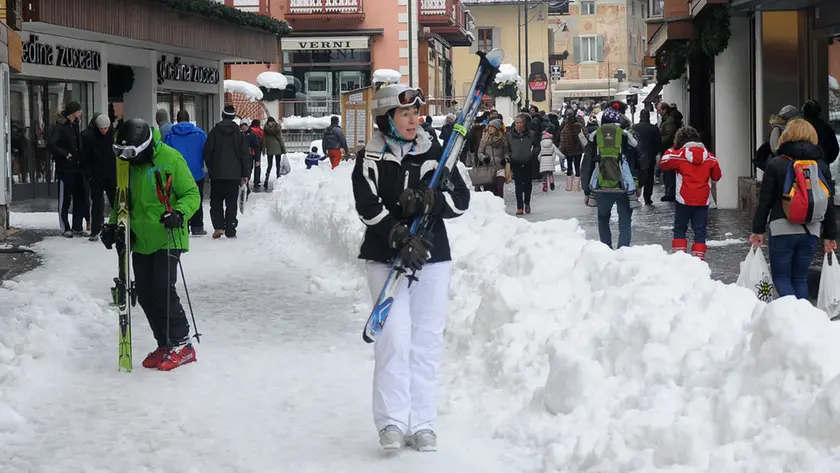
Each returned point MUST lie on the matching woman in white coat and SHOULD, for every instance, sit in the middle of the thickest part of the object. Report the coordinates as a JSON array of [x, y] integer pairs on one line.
[[547, 154]]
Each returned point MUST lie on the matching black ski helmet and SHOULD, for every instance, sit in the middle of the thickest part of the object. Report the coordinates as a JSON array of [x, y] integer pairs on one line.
[[134, 139]]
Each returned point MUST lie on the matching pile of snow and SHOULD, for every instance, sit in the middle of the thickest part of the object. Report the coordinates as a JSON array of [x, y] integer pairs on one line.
[[507, 74], [272, 80], [245, 88], [833, 84], [602, 361], [295, 122], [386, 76]]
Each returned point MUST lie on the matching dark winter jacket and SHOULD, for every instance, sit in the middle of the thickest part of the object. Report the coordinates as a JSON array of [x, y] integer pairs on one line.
[[590, 151], [226, 152], [274, 143], [258, 132], [189, 140], [569, 139], [383, 171], [671, 122], [769, 208], [334, 138], [650, 143], [827, 140], [98, 151], [445, 131], [523, 147], [254, 144], [65, 145], [430, 130]]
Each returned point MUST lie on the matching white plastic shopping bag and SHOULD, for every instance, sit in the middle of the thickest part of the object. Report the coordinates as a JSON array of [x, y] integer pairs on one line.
[[828, 298], [285, 166], [755, 275]]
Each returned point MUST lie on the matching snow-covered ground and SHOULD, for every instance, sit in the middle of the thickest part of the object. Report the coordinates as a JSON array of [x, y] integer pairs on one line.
[[562, 356]]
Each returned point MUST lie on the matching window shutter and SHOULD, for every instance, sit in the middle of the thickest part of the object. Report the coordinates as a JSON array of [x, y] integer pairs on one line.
[[576, 45], [599, 48]]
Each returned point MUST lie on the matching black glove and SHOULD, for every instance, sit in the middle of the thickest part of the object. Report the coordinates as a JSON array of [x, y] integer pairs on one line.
[[487, 160], [172, 220], [416, 202], [413, 250], [108, 235]]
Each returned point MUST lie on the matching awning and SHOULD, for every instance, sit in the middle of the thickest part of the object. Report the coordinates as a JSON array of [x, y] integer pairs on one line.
[[654, 94]]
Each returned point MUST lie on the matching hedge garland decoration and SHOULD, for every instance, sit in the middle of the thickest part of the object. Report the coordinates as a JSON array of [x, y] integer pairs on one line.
[[505, 89], [220, 11], [712, 38]]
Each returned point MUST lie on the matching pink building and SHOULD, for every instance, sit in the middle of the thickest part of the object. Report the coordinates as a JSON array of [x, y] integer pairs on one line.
[[337, 44]]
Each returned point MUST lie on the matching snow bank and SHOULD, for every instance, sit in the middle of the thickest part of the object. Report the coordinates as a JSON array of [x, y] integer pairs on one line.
[[39, 321], [272, 80], [610, 361], [833, 84], [295, 122], [245, 88], [388, 76]]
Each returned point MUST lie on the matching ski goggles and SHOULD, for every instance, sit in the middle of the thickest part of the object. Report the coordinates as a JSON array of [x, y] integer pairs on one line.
[[128, 153], [406, 98]]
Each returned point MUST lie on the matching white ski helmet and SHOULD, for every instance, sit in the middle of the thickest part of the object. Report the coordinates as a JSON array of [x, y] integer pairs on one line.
[[389, 97]]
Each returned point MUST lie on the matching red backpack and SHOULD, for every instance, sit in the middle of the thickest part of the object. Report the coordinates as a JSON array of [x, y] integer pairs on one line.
[[806, 195]]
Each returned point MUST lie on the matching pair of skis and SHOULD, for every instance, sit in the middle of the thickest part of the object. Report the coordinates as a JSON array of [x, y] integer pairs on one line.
[[123, 291], [488, 67]]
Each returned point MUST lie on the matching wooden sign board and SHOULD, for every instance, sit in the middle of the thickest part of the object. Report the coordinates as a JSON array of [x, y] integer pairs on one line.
[[356, 119]]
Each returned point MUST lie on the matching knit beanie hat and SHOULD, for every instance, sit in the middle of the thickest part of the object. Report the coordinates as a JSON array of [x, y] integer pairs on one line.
[[497, 124], [72, 107], [610, 115], [102, 121], [229, 112], [788, 112]]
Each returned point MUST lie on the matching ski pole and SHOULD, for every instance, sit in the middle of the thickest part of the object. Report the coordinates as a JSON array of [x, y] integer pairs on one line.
[[168, 286], [187, 293]]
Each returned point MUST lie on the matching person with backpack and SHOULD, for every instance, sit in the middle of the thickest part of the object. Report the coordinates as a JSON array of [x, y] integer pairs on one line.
[[334, 141], [523, 148], [794, 214], [697, 168], [612, 181], [572, 148]]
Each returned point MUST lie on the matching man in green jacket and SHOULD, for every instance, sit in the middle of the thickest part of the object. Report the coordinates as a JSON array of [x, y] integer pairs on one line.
[[157, 235]]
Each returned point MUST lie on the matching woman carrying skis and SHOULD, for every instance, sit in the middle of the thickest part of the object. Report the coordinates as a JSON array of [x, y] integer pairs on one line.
[[159, 236], [389, 185]]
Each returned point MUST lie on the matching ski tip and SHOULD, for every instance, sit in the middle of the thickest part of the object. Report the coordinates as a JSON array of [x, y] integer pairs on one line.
[[495, 57]]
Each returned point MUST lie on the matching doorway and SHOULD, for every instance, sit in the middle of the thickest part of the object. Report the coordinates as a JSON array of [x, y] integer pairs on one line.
[[33, 106]]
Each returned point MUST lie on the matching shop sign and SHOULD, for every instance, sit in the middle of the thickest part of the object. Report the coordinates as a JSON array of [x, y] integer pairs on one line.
[[174, 70], [357, 98], [325, 43], [42, 54]]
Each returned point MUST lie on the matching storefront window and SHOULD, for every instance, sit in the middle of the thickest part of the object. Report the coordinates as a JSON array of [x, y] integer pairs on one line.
[[319, 79], [197, 105], [34, 106]]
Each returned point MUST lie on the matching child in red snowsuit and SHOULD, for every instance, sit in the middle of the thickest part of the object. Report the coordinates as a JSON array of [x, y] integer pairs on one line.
[[697, 168]]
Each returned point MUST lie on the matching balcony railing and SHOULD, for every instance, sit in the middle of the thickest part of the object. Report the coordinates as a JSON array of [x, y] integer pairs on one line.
[[320, 7], [251, 6], [445, 12]]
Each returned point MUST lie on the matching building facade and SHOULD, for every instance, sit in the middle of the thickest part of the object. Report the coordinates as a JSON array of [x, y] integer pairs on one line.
[[779, 52], [606, 41], [501, 25], [89, 52], [338, 44]]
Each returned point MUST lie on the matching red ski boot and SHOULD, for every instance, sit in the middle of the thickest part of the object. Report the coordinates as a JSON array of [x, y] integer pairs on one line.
[[177, 357], [699, 250], [153, 358], [679, 245]]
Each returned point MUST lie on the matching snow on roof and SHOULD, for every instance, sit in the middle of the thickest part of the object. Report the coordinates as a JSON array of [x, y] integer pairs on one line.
[[245, 88], [387, 75], [272, 80], [295, 122]]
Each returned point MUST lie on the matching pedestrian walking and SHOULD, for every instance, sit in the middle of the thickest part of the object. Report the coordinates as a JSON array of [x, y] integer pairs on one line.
[[228, 159], [189, 140]]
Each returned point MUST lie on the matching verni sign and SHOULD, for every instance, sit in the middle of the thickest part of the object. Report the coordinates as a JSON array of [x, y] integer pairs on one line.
[[324, 43]]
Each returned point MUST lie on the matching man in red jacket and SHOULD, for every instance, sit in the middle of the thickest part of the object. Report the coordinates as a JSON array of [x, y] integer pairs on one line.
[[697, 168]]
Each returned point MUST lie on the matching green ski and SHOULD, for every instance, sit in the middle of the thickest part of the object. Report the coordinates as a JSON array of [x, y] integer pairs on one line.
[[123, 290]]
